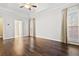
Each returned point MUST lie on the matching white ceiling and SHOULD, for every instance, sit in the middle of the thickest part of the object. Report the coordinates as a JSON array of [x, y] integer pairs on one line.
[[45, 6], [40, 6], [13, 6]]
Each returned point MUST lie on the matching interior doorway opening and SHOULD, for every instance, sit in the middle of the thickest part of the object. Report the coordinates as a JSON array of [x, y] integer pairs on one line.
[[18, 28]]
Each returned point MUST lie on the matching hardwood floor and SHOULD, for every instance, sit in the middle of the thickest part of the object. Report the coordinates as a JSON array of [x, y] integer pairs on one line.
[[28, 46]]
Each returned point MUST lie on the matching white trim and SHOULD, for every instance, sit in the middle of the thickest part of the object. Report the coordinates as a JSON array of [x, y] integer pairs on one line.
[[73, 43], [12, 37], [53, 9], [56, 40], [4, 38], [47, 38]]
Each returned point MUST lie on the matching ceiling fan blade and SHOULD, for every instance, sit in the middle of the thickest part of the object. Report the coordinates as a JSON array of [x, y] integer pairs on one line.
[[34, 6], [21, 6]]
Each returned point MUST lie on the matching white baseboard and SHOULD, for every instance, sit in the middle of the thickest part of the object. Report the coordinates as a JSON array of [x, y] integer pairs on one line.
[[48, 38], [11, 37], [7, 38], [75, 43], [56, 40]]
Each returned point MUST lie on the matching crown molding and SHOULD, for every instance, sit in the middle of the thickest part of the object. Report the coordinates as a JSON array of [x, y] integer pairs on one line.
[[58, 7]]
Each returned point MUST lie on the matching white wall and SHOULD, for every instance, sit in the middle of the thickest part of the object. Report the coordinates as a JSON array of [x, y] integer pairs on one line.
[[9, 17], [48, 23]]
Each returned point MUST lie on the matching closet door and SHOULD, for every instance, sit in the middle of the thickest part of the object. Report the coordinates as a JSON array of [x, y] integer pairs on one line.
[[73, 25], [1, 28]]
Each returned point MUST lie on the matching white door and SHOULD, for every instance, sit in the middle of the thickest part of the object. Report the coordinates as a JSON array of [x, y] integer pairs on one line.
[[18, 28]]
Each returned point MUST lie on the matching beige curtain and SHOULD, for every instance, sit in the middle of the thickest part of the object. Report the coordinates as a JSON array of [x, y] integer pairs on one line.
[[29, 27], [64, 26]]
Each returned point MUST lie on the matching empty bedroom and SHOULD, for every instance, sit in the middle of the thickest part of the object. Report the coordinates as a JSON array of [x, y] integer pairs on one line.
[[39, 29]]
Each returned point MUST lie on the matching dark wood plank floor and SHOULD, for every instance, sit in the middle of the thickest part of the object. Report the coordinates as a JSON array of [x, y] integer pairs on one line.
[[28, 46]]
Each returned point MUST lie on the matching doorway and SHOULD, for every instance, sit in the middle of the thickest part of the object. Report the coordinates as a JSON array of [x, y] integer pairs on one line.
[[32, 27], [18, 28]]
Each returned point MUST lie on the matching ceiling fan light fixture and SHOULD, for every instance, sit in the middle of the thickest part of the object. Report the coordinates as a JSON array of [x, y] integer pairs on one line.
[[27, 6]]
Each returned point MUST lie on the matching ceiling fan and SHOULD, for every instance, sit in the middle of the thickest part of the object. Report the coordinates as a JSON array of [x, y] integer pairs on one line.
[[28, 5]]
